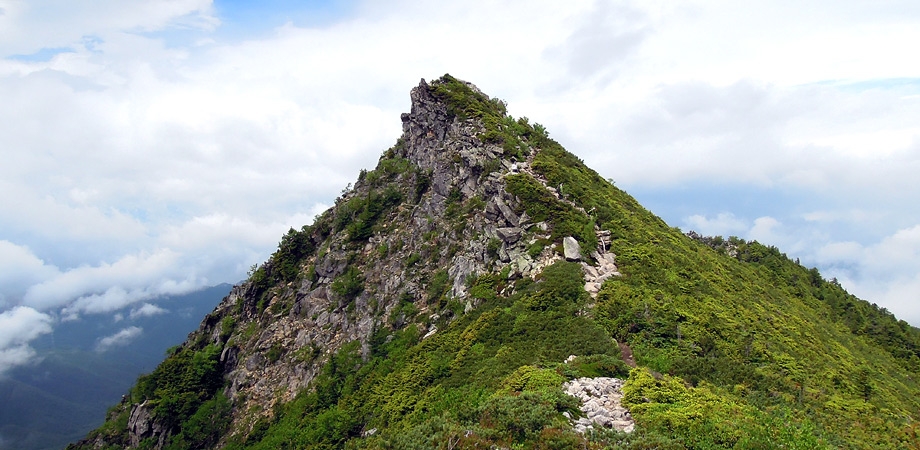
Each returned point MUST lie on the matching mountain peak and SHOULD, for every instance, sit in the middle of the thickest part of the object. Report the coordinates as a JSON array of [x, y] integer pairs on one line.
[[445, 114], [445, 299]]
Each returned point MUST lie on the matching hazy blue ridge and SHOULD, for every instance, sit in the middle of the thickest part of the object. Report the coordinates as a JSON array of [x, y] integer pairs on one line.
[[66, 394]]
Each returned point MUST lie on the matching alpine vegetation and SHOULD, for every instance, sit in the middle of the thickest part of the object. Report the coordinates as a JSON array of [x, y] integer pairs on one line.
[[483, 288]]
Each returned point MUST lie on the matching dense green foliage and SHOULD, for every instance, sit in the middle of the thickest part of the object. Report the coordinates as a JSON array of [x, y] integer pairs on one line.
[[737, 346], [464, 102], [541, 205], [772, 339], [349, 284], [500, 129], [496, 371], [183, 395], [180, 384], [359, 214]]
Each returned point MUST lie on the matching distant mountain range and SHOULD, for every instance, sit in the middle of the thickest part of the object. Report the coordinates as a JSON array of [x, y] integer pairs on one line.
[[86, 366]]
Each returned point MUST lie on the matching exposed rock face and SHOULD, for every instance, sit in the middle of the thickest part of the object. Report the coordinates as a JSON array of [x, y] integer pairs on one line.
[[509, 234], [141, 426], [600, 401], [456, 162], [455, 219]]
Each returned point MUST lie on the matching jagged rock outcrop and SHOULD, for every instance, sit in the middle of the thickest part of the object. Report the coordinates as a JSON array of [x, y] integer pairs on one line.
[[434, 214], [142, 426], [437, 284]]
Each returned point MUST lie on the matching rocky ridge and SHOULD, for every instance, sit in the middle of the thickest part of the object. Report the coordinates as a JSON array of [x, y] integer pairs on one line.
[[450, 209], [426, 308]]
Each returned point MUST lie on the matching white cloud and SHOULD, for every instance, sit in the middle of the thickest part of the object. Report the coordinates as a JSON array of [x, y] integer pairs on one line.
[[901, 297], [147, 310], [117, 297], [31, 25], [19, 269], [119, 339], [886, 272], [840, 251], [94, 284], [607, 35], [144, 162], [19, 326], [852, 215], [724, 224], [764, 229]]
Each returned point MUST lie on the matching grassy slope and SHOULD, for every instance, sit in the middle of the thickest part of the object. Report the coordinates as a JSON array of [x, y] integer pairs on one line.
[[757, 329]]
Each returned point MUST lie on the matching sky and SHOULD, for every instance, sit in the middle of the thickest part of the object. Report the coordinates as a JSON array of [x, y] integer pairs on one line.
[[154, 147]]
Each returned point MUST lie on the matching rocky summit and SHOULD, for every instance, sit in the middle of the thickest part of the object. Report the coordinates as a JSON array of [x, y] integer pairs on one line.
[[483, 288]]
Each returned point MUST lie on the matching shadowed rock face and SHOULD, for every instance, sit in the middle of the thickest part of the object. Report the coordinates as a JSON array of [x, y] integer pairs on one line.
[[454, 215], [142, 426]]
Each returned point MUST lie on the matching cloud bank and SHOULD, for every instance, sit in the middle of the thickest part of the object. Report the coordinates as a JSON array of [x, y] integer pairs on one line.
[[152, 148]]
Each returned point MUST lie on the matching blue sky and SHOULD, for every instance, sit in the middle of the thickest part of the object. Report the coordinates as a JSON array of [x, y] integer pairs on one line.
[[251, 18], [155, 147]]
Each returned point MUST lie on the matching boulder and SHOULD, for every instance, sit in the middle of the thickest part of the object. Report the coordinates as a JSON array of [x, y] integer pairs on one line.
[[510, 234], [506, 212], [571, 249]]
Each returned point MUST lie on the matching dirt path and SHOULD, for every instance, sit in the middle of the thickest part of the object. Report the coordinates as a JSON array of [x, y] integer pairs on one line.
[[627, 354]]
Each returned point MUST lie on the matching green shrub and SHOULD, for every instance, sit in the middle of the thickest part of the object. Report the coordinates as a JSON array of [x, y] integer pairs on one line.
[[532, 379], [492, 247], [439, 285], [541, 205], [204, 428], [521, 417], [413, 259], [274, 353], [349, 284], [561, 286], [180, 384]]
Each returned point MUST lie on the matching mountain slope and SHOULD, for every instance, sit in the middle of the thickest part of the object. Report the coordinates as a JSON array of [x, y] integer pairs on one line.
[[437, 305]]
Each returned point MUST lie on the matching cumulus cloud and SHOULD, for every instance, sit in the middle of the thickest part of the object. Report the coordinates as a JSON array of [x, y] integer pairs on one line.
[[119, 339], [724, 224], [95, 283], [141, 161], [116, 297], [147, 310], [886, 272], [19, 326], [766, 230], [606, 36]]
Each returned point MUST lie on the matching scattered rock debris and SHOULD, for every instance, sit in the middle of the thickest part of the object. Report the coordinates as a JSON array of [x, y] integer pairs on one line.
[[600, 401]]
